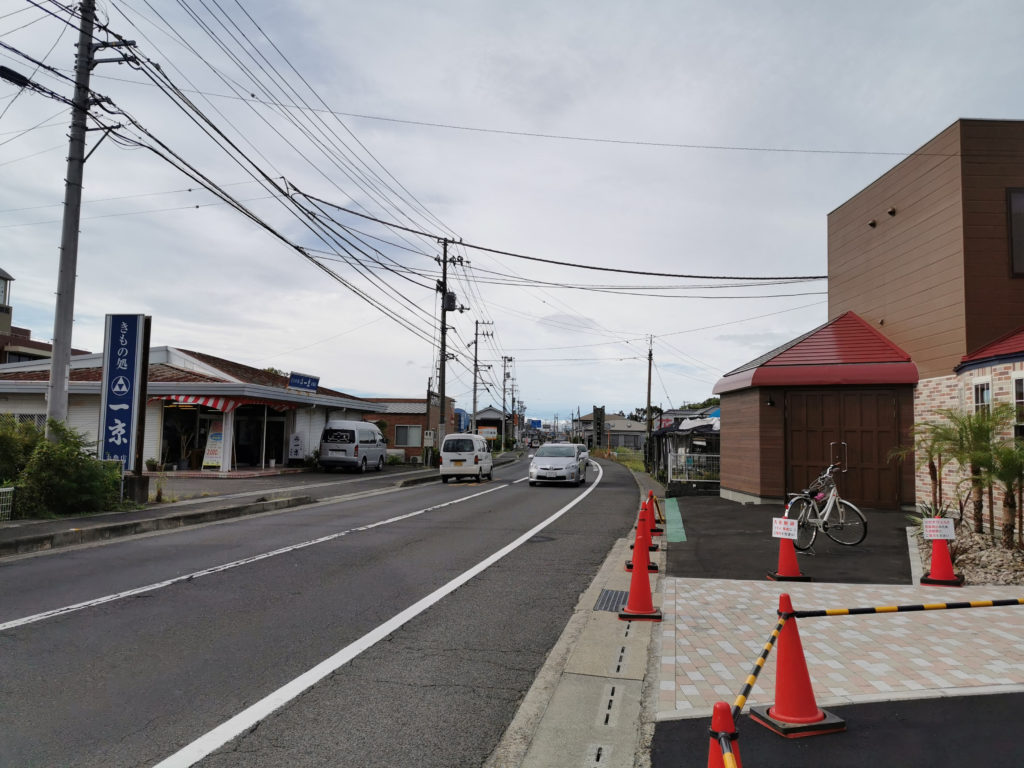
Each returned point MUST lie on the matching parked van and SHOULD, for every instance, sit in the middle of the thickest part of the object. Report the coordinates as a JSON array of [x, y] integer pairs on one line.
[[465, 455], [352, 445]]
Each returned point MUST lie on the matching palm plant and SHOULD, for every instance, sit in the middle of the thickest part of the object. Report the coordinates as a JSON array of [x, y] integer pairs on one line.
[[931, 441], [1006, 469], [971, 438]]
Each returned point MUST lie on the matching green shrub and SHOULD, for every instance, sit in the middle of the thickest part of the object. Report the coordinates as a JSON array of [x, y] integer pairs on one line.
[[63, 478], [17, 441]]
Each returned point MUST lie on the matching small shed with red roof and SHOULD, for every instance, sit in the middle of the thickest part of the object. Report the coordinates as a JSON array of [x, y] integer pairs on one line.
[[842, 392]]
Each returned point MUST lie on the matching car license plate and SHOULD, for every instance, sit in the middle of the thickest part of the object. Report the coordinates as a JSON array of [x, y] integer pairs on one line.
[[458, 463], [336, 452]]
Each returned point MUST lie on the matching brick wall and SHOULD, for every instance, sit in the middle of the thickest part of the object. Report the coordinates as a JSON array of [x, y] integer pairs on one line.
[[957, 392]]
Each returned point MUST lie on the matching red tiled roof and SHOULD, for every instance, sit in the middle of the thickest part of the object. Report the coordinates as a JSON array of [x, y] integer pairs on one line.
[[1010, 345], [845, 351]]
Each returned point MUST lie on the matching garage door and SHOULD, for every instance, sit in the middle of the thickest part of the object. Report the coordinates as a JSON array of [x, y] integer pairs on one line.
[[819, 422]]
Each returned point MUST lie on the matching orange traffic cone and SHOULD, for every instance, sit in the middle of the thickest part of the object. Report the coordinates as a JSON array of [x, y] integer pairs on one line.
[[640, 605], [794, 713], [789, 569], [941, 574], [642, 541], [644, 519], [655, 530], [722, 723]]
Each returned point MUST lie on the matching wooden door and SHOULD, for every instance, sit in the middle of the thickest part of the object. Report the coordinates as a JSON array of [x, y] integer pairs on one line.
[[855, 427]]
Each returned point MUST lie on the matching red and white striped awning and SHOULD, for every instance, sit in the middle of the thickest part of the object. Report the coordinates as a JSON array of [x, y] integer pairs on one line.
[[224, 404]]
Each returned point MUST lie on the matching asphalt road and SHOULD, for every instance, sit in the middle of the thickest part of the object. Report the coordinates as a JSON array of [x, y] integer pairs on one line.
[[133, 680]]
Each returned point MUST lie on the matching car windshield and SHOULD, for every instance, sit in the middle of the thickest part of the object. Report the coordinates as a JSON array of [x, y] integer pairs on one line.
[[459, 445], [556, 450]]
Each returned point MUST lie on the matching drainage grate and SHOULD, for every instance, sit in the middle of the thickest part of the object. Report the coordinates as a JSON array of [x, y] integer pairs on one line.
[[612, 600]]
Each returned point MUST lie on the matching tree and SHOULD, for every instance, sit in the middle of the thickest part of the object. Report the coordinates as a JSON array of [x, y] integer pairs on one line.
[[1006, 468], [971, 442], [640, 414]]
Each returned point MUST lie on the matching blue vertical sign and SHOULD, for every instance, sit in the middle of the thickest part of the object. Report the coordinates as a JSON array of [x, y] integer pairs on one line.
[[119, 401]]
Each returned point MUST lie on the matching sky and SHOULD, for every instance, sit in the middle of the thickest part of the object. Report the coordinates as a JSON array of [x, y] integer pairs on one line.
[[677, 138]]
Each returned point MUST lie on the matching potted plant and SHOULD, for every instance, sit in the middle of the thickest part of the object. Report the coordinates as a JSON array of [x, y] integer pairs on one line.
[[152, 464]]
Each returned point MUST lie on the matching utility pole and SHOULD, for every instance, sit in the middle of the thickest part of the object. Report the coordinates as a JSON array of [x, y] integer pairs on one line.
[[512, 410], [448, 304], [64, 313], [476, 366], [504, 376], [64, 310], [650, 416]]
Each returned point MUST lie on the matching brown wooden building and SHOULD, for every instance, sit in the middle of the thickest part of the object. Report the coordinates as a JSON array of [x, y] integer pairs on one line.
[[841, 393], [930, 257]]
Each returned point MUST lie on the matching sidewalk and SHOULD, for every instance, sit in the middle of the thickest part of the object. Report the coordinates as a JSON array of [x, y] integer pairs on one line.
[[898, 678]]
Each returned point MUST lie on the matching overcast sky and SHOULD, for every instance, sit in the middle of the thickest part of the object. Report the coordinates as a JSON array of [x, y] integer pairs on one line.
[[667, 137]]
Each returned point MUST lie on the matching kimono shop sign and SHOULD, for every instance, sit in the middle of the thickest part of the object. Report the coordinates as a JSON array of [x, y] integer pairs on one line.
[[303, 382], [119, 401]]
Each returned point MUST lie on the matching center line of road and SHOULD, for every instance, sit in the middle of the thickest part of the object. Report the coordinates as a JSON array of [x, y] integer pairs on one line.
[[228, 566], [247, 718]]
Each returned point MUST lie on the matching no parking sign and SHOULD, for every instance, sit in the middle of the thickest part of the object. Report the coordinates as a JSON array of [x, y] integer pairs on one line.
[[783, 528]]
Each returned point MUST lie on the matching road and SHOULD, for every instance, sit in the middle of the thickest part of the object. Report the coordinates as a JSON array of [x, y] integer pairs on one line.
[[429, 610]]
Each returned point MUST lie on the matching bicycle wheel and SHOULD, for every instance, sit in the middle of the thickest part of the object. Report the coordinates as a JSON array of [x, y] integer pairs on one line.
[[846, 524], [803, 510]]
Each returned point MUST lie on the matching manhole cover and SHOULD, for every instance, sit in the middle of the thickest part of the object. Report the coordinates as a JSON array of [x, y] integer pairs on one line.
[[611, 600]]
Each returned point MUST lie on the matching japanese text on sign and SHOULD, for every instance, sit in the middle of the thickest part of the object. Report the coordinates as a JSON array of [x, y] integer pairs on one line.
[[784, 528], [938, 528]]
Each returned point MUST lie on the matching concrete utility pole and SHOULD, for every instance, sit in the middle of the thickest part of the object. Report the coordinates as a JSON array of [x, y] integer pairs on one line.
[[448, 304], [650, 416], [64, 314], [476, 366], [504, 376], [512, 410]]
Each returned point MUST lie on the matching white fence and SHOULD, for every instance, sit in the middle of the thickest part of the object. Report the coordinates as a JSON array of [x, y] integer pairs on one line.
[[6, 500], [694, 467]]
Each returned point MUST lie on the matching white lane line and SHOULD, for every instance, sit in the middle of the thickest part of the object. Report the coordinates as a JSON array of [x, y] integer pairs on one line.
[[228, 566], [247, 718]]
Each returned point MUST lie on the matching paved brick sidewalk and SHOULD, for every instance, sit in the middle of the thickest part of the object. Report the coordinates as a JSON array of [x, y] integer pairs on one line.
[[713, 630]]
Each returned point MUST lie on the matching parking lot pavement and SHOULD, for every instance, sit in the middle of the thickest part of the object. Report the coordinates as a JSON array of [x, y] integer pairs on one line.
[[727, 540], [935, 688]]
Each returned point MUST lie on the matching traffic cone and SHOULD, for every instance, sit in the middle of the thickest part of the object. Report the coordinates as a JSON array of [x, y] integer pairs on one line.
[[642, 541], [789, 569], [655, 530], [941, 574], [794, 713], [640, 605], [644, 520], [722, 722]]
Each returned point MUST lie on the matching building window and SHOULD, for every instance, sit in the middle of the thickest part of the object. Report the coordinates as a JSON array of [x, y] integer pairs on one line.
[[408, 436], [982, 397], [1018, 405], [1015, 211]]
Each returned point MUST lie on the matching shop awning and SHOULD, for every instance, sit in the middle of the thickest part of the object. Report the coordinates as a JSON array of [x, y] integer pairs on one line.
[[225, 404]]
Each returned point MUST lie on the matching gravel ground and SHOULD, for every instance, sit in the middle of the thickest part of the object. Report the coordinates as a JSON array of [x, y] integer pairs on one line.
[[981, 559]]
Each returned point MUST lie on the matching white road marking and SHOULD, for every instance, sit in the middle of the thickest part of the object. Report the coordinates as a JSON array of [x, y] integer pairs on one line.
[[228, 566], [249, 717]]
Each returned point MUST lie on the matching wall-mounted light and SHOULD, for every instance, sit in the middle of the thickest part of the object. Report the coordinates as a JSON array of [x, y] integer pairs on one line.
[[872, 223], [770, 402], [891, 211]]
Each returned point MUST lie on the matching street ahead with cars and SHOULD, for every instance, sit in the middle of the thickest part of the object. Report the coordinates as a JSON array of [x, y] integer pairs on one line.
[[393, 626]]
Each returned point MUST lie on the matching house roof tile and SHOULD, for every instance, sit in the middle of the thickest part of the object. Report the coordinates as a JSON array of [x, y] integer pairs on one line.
[[1009, 346], [843, 351]]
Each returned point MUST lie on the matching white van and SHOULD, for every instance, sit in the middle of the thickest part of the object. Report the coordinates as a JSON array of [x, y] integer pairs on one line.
[[465, 455], [352, 445]]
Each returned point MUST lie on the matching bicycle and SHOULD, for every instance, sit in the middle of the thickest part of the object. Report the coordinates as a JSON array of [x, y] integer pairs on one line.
[[840, 520]]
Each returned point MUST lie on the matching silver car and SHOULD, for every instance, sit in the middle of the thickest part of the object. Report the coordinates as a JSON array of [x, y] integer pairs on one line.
[[558, 463]]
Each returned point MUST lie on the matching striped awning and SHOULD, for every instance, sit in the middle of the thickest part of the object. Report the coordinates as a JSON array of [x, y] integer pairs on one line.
[[225, 404]]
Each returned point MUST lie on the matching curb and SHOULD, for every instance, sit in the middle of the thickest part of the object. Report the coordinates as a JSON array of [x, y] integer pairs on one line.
[[74, 536]]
